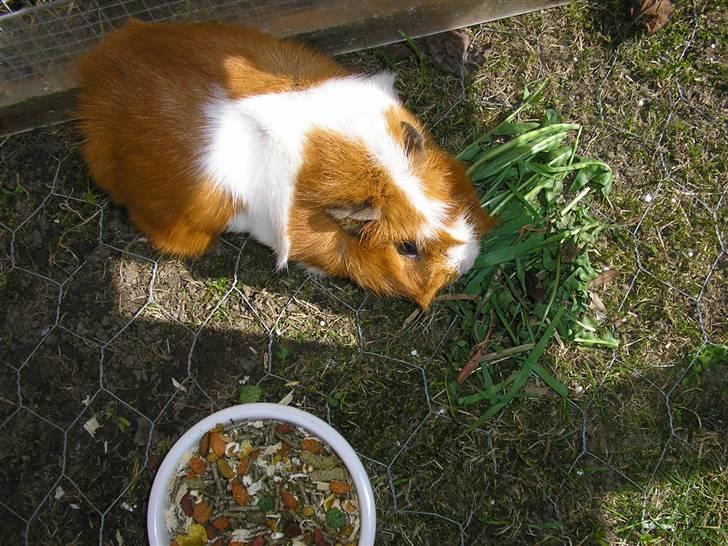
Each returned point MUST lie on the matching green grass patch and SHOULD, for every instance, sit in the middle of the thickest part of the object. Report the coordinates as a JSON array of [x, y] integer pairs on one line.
[[532, 279]]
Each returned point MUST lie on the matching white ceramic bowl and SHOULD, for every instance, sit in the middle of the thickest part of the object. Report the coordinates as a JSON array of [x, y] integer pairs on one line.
[[156, 527]]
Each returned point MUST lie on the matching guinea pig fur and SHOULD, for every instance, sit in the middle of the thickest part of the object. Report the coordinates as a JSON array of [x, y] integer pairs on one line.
[[208, 128]]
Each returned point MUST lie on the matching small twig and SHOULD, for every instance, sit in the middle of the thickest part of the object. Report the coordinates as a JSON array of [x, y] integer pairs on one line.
[[457, 297], [478, 351], [505, 353], [218, 484], [411, 318]]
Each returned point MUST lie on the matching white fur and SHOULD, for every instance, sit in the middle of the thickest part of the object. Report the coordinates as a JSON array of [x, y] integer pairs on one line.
[[462, 257], [254, 147]]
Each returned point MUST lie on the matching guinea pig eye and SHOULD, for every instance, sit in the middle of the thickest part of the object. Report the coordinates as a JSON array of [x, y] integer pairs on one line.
[[408, 248]]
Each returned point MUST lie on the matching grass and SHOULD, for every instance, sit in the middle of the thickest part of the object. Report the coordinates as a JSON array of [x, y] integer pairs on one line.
[[532, 280]]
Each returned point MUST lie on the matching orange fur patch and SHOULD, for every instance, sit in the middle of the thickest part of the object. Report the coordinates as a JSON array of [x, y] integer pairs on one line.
[[142, 90], [331, 162]]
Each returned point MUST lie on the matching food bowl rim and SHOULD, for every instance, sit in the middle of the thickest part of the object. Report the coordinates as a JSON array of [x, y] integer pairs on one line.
[[156, 525]]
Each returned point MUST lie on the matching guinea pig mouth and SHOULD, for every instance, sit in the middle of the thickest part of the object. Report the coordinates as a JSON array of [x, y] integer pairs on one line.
[[462, 257]]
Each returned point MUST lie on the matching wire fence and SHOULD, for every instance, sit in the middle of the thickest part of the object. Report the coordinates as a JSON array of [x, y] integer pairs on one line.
[[47, 36], [59, 277], [53, 34]]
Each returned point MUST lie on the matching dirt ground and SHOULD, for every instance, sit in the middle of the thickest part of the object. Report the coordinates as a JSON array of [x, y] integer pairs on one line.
[[95, 324]]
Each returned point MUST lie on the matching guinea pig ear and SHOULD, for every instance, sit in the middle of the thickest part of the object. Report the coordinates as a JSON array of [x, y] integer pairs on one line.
[[414, 142], [353, 219]]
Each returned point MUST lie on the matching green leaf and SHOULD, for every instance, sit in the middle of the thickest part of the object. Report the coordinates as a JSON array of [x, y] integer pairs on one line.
[[335, 399], [548, 261], [492, 410], [249, 394], [508, 254], [336, 519], [550, 380], [282, 353], [265, 503], [590, 339], [550, 117], [124, 423], [510, 129], [528, 100]]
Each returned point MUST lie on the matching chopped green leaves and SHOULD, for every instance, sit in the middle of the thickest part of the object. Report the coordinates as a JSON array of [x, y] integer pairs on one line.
[[534, 268]]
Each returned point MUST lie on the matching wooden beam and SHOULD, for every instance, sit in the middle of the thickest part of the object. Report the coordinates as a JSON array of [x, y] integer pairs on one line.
[[69, 28]]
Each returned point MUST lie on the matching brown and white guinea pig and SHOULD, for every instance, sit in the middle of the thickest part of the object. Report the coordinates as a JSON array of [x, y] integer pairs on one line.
[[207, 128]]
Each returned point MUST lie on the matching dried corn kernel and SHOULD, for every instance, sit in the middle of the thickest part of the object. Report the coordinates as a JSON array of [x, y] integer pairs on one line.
[[240, 494], [198, 465], [338, 487], [201, 512], [311, 445], [289, 501]]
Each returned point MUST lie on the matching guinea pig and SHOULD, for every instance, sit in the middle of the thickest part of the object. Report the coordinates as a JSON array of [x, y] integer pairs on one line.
[[200, 129]]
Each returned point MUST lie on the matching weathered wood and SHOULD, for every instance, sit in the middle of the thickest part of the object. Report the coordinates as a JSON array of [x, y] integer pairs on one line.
[[38, 45]]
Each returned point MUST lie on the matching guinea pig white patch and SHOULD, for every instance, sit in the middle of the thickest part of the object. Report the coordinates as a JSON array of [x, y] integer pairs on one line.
[[254, 150], [462, 257]]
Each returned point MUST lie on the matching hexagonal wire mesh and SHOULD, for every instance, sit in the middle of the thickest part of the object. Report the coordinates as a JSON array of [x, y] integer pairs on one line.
[[66, 454], [53, 35]]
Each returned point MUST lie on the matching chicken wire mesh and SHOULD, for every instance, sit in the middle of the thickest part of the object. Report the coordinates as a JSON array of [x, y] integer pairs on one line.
[[110, 351], [47, 36], [52, 34]]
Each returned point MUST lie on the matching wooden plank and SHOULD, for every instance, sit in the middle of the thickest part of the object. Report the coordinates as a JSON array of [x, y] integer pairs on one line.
[[336, 27]]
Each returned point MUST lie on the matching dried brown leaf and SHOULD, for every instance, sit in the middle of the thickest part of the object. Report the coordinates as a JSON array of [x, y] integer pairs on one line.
[[446, 50], [597, 304], [652, 15], [604, 278], [535, 289], [475, 357], [538, 391]]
